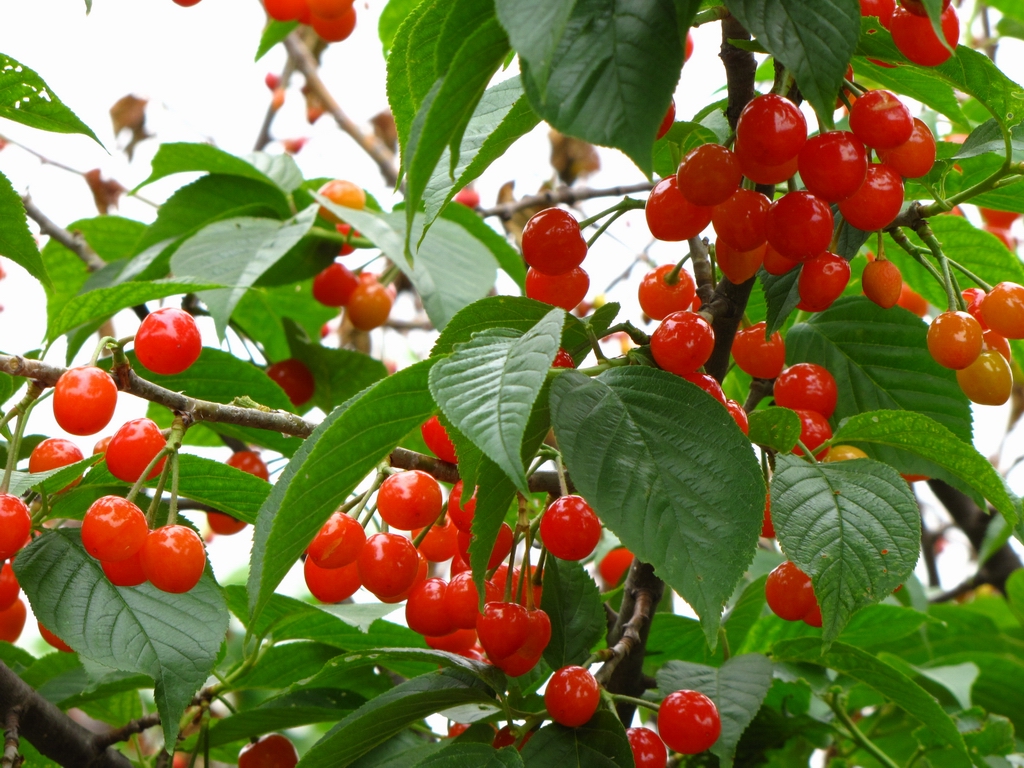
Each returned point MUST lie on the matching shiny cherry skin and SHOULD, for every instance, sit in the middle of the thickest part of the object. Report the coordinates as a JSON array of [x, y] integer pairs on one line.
[[173, 558], [52, 640], [988, 380], [12, 621], [709, 175], [538, 636], [916, 39], [806, 385], [954, 340], [833, 165], [329, 9], [131, 449], [369, 306], [670, 216], [387, 564], [461, 516], [572, 696], [338, 542], [708, 384], [682, 343], [54, 453], [15, 525], [437, 440], [502, 546], [915, 157], [84, 400], [224, 525], [659, 299], [738, 415], [880, 120], [998, 219], [789, 592], [912, 301], [424, 611], [814, 431], [421, 575], [563, 360], [768, 174], [1003, 310], [553, 243], [565, 291], [348, 232], [331, 585], [409, 500], [168, 341], [822, 280], [468, 197], [285, 10], [500, 581], [883, 9], [613, 566], [125, 573], [344, 193], [647, 747], [767, 528], [882, 282], [333, 287], [249, 462], [114, 529], [992, 340], [667, 120], [689, 722], [741, 220], [460, 641], [335, 30], [738, 266], [799, 225], [570, 529], [294, 378], [777, 264], [9, 587], [760, 357], [502, 628], [270, 751], [877, 202], [771, 130], [844, 453], [462, 600], [441, 542]]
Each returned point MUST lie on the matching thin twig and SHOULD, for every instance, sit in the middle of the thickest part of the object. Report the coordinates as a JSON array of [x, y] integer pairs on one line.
[[264, 137], [125, 732], [567, 195], [73, 242], [11, 758], [643, 608]]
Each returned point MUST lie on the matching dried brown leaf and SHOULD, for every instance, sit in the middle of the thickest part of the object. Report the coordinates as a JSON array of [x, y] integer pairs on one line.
[[105, 192], [572, 158], [129, 112]]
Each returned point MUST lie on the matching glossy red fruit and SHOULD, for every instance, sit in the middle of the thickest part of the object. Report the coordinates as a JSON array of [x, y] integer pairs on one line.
[[882, 283], [462, 600], [809, 386], [789, 592], [880, 120], [424, 611], [915, 157], [822, 280], [409, 500], [331, 585], [387, 564], [883, 9], [224, 525], [954, 339], [992, 340], [9, 587], [572, 696], [973, 297], [760, 357], [461, 516], [12, 621], [833, 165], [1003, 310], [101, 445], [877, 202], [421, 575], [84, 400], [249, 462], [917, 7], [538, 636], [771, 130], [270, 751], [114, 529], [502, 628], [441, 542], [346, 229], [54, 453], [285, 10], [708, 384], [553, 243], [563, 360], [335, 30], [570, 529], [767, 529], [132, 448], [504, 738], [912, 301], [173, 558], [329, 9], [799, 225], [916, 39], [988, 380], [689, 722], [565, 291], [333, 287], [614, 565], [500, 580], [667, 121], [125, 573], [813, 617], [767, 174], [738, 266], [998, 219], [814, 430], [777, 264], [437, 440], [338, 542], [682, 343], [186, 3], [468, 197], [709, 175], [738, 415], [294, 378], [369, 306], [15, 525], [658, 298], [53, 640], [647, 747], [740, 221], [502, 546], [459, 641], [670, 216], [168, 341]]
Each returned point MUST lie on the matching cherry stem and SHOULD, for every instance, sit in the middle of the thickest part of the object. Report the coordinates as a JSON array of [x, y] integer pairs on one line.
[[673, 277], [954, 300], [336, 237], [723, 640], [903, 242], [595, 344], [172, 515], [650, 705], [22, 411], [625, 204], [856, 734], [154, 504], [807, 451], [603, 227], [423, 534], [542, 559], [560, 468], [100, 346], [969, 275], [360, 504], [525, 573], [511, 571]]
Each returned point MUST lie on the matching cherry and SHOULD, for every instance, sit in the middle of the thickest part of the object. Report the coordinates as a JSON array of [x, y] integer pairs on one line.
[[882, 283], [409, 500], [881, 120], [771, 130], [806, 385], [504, 738], [614, 565], [459, 641], [249, 462], [347, 231], [738, 266], [369, 306], [502, 628], [53, 640], [689, 722], [912, 301], [667, 121], [777, 264], [333, 287], [173, 558], [833, 164], [1003, 310], [285, 10], [538, 636], [9, 587], [501, 578], [272, 81], [186, 3], [658, 298], [15, 525], [740, 221], [125, 573], [572, 696], [437, 440], [813, 616], [387, 564], [988, 380], [998, 219], [344, 193], [682, 343], [670, 216], [916, 39], [553, 243], [502, 546], [688, 48], [270, 751], [822, 280], [114, 529], [84, 400], [131, 449], [767, 529], [877, 202], [844, 453], [441, 542], [915, 157], [168, 341], [760, 357], [562, 360], [768, 174], [708, 384], [917, 7], [468, 197], [814, 431], [799, 225], [738, 415], [992, 340], [294, 378], [224, 525], [709, 175], [462, 600], [101, 445], [424, 612], [338, 542], [954, 339], [329, 9], [565, 291], [12, 621], [789, 592], [335, 30], [54, 453], [647, 747], [461, 516], [570, 529]]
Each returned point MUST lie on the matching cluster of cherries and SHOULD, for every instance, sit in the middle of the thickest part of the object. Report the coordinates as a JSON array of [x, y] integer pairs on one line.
[[554, 247], [912, 31], [333, 20]]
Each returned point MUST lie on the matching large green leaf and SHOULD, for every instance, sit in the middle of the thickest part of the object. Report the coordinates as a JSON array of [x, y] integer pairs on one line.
[[182, 157], [917, 83], [852, 526], [459, 755], [16, 241], [636, 441], [288, 710], [781, 296], [51, 481], [26, 99], [572, 601], [262, 312], [391, 17], [225, 488], [508, 258], [737, 687], [599, 743], [174, 639], [776, 428]]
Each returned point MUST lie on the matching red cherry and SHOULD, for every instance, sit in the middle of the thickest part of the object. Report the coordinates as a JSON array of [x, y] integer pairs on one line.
[[738, 415], [766, 174], [917, 7], [709, 175], [689, 722], [806, 385], [647, 747], [387, 564], [670, 216], [424, 612], [504, 738], [468, 197], [955, 338], [538, 636], [614, 565], [667, 121], [882, 283], [877, 202], [883, 9], [741, 220], [682, 343], [813, 617], [988, 380], [688, 48], [658, 298], [553, 243], [54, 453], [570, 529], [421, 575], [916, 39], [370, 304], [347, 231], [272, 81], [15, 525], [973, 297], [335, 30], [9, 587], [224, 525], [881, 120], [53, 640], [502, 546], [168, 341], [777, 264], [270, 751], [501, 577], [331, 585], [915, 157], [789, 592], [250, 462], [437, 440], [799, 225], [125, 573], [572, 696], [12, 621], [131, 449], [822, 280], [462, 600], [767, 529], [708, 384], [563, 360], [409, 500], [738, 266], [441, 542], [114, 529], [459, 641], [186, 3], [998, 219], [333, 287], [912, 301], [760, 357], [461, 516], [329, 9], [565, 291], [814, 430], [1003, 310], [285, 10], [992, 340], [771, 130], [84, 400], [502, 629], [338, 542], [833, 165], [173, 558], [101, 445], [294, 378]]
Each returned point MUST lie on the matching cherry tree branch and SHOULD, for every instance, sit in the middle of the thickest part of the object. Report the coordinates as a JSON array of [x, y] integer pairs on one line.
[[128, 730], [401, 458], [11, 758], [73, 242], [567, 195], [264, 137]]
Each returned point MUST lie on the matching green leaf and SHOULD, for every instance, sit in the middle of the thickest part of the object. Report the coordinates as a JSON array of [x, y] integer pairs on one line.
[[916, 83], [508, 258], [988, 138], [674, 145], [342, 450], [488, 386], [273, 33], [599, 743], [51, 481], [289, 710], [1015, 594], [262, 312], [282, 665], [572, 601], [597, 70], [182, 157], [922, 436], [26, 99], [680, 638], [737, 687], [852, 526], [175, 639], [459, 755], [224, 488], [16, 241], [879, 625], [775, 428], [889, 682], [781, 295], [391, 17], [660, 427]]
